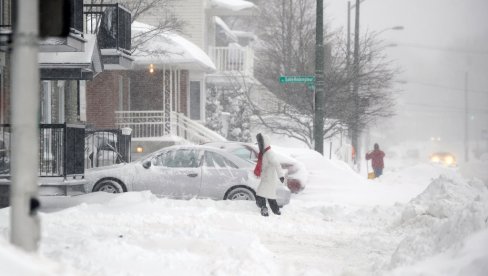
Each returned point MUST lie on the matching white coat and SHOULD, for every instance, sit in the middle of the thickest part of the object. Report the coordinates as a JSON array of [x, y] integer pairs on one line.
[[270, 173]]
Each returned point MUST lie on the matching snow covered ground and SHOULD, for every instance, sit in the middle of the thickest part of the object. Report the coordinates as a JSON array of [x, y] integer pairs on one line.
[[417, 220]]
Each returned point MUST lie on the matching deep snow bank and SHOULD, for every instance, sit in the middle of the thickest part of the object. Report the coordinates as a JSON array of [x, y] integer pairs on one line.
[[439, 225], [14, 261]]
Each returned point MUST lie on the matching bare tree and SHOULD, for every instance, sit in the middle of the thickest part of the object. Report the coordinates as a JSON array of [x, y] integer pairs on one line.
[[286, 47]]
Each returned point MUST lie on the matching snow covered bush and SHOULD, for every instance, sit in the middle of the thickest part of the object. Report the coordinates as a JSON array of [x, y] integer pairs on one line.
[[231, 100], [213, 110]]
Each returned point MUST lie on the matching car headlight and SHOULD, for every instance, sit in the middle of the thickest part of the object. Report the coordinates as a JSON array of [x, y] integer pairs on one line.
[[449, 160], [435, 159]]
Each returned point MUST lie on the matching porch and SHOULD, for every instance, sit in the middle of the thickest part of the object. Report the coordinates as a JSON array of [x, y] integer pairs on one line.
[[61, 160], [233, 60], [154, 124]]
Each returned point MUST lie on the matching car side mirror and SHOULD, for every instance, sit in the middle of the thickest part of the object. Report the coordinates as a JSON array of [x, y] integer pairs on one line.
[[146, 164]]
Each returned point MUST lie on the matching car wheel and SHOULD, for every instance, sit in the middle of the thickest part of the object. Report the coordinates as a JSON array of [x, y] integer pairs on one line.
[[240, 193], [108, 186]]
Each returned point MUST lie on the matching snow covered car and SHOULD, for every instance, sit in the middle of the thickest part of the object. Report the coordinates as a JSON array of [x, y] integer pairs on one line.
[[183, 172], [295, 171]]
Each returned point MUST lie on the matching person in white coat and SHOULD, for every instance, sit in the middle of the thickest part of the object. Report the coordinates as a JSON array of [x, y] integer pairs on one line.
[[269, 170]]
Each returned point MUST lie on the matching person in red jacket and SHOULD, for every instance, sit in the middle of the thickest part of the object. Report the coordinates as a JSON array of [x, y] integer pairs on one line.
[[376, 157]]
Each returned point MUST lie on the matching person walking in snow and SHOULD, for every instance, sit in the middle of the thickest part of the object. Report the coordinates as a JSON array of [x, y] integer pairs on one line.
[[269, 170], [376, 157]]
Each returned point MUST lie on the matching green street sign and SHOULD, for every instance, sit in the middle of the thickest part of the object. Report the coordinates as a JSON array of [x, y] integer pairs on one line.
[[297, 79]]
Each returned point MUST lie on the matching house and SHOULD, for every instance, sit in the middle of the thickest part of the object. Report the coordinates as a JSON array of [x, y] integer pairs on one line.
[[162, 98], [99, 38]]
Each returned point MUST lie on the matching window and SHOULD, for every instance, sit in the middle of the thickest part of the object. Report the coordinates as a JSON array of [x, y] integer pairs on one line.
[[46, 104], [216, 160], [195, 100], [244, 154], [181, 158]]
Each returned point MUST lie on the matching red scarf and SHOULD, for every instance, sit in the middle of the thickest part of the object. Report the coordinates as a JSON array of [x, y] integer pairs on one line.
[[257, 169]]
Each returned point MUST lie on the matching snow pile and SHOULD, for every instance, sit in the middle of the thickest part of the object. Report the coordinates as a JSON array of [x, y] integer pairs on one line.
[[439, 221], [14, 261], [140, 234]]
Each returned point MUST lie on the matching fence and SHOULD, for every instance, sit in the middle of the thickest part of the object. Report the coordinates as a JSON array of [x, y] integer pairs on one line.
[[61, 150], [104, 147]]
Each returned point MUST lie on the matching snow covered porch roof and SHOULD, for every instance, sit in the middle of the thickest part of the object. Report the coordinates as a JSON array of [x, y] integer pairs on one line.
[[169, 49], [82, 65], [231, 7]]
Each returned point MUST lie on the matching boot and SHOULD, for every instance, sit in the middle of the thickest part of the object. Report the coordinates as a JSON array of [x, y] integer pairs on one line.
[[264, 211]]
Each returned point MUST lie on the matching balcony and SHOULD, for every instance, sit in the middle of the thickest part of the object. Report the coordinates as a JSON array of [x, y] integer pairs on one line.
[[75, 42], [5, 23], [233, 60], [112, 25]]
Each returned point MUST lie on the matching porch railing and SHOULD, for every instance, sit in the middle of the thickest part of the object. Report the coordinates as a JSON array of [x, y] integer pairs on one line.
[[233, 59], [111, 23], [105, 147], [61, 150], [152, 124]]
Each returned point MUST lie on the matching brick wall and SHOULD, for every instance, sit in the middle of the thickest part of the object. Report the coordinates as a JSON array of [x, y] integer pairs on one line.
[[102, 94], [102, 98], [184, 81], [146, 90], [5, 90]]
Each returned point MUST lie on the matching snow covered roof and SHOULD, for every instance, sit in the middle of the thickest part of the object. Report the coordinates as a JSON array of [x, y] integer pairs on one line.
[[244, 34], [169, 49], [227, 31], [231, 7], [84, 59]]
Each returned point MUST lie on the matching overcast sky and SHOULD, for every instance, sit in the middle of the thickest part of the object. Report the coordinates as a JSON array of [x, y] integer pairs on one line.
[[441, 41]]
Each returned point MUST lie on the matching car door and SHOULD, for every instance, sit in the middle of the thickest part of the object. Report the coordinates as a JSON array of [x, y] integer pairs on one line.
[[176, 173], [219, 174]]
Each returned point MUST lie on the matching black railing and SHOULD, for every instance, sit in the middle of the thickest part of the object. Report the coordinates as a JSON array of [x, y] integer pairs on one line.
[[61, 150], [76, 23], [111, 23], [105, 147], [6, 13]]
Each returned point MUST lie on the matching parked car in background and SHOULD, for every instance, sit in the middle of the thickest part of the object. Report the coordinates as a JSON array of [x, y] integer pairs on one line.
[[183, 172], [443, 158], [295, 171]]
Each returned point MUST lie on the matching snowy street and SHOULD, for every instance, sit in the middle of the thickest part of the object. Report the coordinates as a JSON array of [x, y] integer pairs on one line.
[[341, 224], [243, 137]]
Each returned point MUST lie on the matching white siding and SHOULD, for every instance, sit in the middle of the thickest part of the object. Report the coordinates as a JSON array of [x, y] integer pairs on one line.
[[192, 12]]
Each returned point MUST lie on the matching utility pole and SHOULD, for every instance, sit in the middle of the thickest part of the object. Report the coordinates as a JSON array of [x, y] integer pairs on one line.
[[348, 40], [355, 93], [25, 225], [319, 110], [466, 118]]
